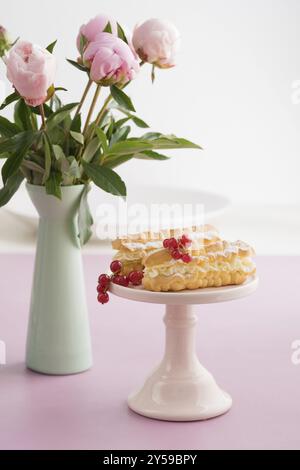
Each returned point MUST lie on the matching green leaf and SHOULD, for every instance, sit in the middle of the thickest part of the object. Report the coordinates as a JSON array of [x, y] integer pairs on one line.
[[91, 149], [83, 43], [4, 155], [55, 103], [120, 122], [113, 162], [137, 146], [102, 139], [67, 122], [60, 88], [47, 110], [151, 135], [137, 121], [32, 166], [121, 98], [150, 155], [187, 144], [62, 165], [7, 128], [173, 142], [58, 152], [60, 115], [18, 141], [77, 65], [10, 188], [76, 123], [51, 46], [105, 178], [53, 184], [13, 163], [160, 141], [22, 115], [10, 99], [74, 169], [57, 136], [78, 137], [111, 127], [85, 219], [120, 134], [107, 28], [121, 33], [48, 158], [129, 146]]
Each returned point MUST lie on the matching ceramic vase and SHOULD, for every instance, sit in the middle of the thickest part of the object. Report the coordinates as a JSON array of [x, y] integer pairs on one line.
[[58, 338]]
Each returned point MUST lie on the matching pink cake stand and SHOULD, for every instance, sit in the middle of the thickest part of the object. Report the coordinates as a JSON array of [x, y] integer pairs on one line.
[[180, 388]]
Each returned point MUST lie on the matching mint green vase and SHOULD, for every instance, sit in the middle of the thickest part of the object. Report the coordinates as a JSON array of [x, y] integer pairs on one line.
[[58, 338]]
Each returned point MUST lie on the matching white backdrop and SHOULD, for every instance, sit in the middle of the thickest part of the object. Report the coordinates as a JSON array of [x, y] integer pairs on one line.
[[231, 91]]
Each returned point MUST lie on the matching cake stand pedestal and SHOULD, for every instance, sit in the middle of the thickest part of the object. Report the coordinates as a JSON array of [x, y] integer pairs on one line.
[[180, 388]]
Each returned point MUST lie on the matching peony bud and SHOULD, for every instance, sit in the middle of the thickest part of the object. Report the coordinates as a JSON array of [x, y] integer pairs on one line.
[[111, 60], [88, 32], [156, 42]]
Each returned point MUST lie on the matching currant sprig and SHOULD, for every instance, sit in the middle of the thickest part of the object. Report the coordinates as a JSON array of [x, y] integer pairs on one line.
[[134, 278], [177, 248]]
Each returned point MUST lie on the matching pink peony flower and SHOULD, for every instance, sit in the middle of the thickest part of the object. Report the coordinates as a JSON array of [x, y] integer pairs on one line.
[[31, 70], [156, 41], [95, 26], [111, 60]]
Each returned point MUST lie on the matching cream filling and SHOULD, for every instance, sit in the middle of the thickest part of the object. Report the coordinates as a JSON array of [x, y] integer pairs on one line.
[[245, 265], [121, 256], [142, 246], [196, 237]]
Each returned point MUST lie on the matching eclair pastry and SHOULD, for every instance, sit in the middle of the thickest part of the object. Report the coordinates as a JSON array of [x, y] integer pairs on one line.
[[215, 264], [212, 262], [134, 249]]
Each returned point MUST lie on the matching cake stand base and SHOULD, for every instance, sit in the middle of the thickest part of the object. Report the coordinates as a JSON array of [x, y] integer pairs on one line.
[[180, 389]]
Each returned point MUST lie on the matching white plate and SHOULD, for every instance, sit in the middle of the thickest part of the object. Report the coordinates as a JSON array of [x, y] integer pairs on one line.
[[206, 295], [213, 203]]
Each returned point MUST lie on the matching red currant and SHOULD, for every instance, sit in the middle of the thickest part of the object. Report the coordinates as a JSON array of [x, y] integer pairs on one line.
[[135, 277], [121, 281], [101, 289], [116, 279], [103, 298], [176, 254], [104, 280], [185, 241], [173, 244], [116, 266], [125, 281], [186, 258], [166, 243]]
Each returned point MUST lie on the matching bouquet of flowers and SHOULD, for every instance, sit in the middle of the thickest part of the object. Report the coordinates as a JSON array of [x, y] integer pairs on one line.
[[52, 144]]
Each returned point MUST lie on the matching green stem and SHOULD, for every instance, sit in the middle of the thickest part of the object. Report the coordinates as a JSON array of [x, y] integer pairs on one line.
[[43, 116], [104, 107], [91, 110], [85, 93], [100, 115], [153, 74], [33, 121]]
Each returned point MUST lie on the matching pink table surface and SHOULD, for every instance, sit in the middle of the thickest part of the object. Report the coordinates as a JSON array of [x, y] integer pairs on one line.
[[245, 343]]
